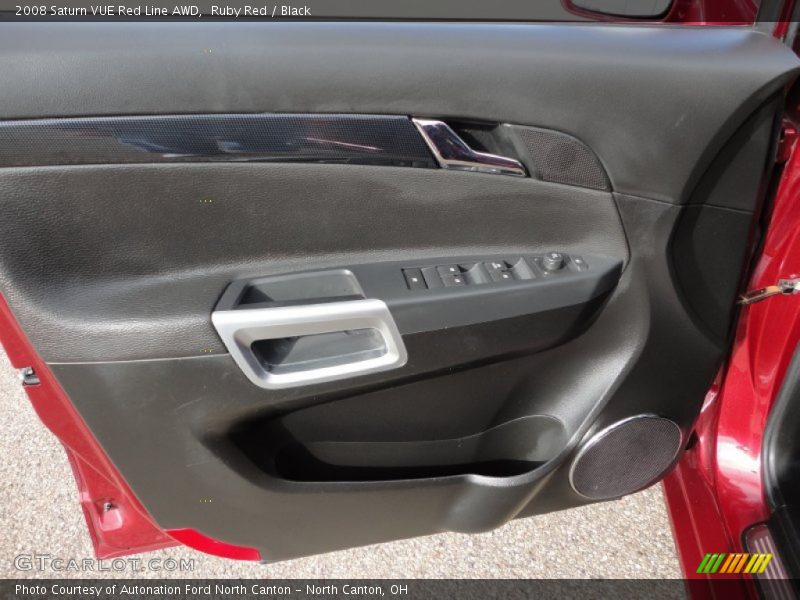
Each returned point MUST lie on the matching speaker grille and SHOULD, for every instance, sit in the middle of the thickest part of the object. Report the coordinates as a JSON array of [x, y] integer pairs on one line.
[[625, 457], [561, 158]]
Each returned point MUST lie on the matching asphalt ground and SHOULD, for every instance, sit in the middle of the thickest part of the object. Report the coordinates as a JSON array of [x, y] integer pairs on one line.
[[40, 514]]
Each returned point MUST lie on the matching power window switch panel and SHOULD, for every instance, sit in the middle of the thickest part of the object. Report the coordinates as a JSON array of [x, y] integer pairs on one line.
[[453, 280], [414, 279]]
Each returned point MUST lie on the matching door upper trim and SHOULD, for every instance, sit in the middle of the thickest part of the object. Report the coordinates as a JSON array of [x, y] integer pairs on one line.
[[274, 137]]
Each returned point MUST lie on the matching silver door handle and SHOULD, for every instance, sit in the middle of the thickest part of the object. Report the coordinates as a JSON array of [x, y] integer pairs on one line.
[[381, 347], [452, 152]]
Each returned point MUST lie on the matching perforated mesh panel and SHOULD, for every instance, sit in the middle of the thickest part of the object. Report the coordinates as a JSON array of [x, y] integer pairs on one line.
[[561, 158], [626, 457]]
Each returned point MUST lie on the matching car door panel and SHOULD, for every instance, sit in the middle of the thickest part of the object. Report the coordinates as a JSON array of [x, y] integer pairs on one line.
[[138, 278], [119, 239]]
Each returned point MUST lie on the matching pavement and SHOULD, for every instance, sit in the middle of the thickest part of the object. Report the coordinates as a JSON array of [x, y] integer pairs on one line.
[[40, 514]]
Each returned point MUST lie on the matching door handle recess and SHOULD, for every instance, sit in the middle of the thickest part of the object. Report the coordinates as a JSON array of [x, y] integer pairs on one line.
[[452, 152], [288, 346]]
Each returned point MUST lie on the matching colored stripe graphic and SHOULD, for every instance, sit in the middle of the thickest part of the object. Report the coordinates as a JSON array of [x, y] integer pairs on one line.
[[763, 566], [717, 563], [754, 564], [741, 563], [727, 564], [710, 563], [737, 558], [702, 567]]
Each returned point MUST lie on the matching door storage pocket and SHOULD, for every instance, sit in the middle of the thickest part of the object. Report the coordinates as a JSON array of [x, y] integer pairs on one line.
[[507, 449]]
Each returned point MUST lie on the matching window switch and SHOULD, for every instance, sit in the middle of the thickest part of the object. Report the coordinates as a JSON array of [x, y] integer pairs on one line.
[[496, 265], [414, 279], [453, 280], [501, 276], [432, 277], [448, 270], [522, 270], [475, 273]]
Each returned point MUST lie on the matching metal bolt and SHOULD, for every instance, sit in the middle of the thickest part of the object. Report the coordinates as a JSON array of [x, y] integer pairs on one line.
[[28, 376]]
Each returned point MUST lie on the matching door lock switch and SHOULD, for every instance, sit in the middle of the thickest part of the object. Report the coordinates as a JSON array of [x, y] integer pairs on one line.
[[577, 263], [414, 279]]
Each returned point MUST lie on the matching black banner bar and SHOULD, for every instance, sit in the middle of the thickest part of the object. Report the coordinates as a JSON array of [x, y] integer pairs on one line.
[[364, 589]]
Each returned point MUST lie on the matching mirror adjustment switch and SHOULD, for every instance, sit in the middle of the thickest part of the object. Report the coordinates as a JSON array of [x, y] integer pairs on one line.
[[414, 279], [453, 280], [552, 261]]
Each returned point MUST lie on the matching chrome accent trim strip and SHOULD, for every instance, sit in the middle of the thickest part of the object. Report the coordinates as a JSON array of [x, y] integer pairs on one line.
[[240, 328], [452, 152]]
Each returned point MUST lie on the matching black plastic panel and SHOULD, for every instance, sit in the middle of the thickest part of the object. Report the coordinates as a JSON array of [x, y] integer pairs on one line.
[[352, 139]]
